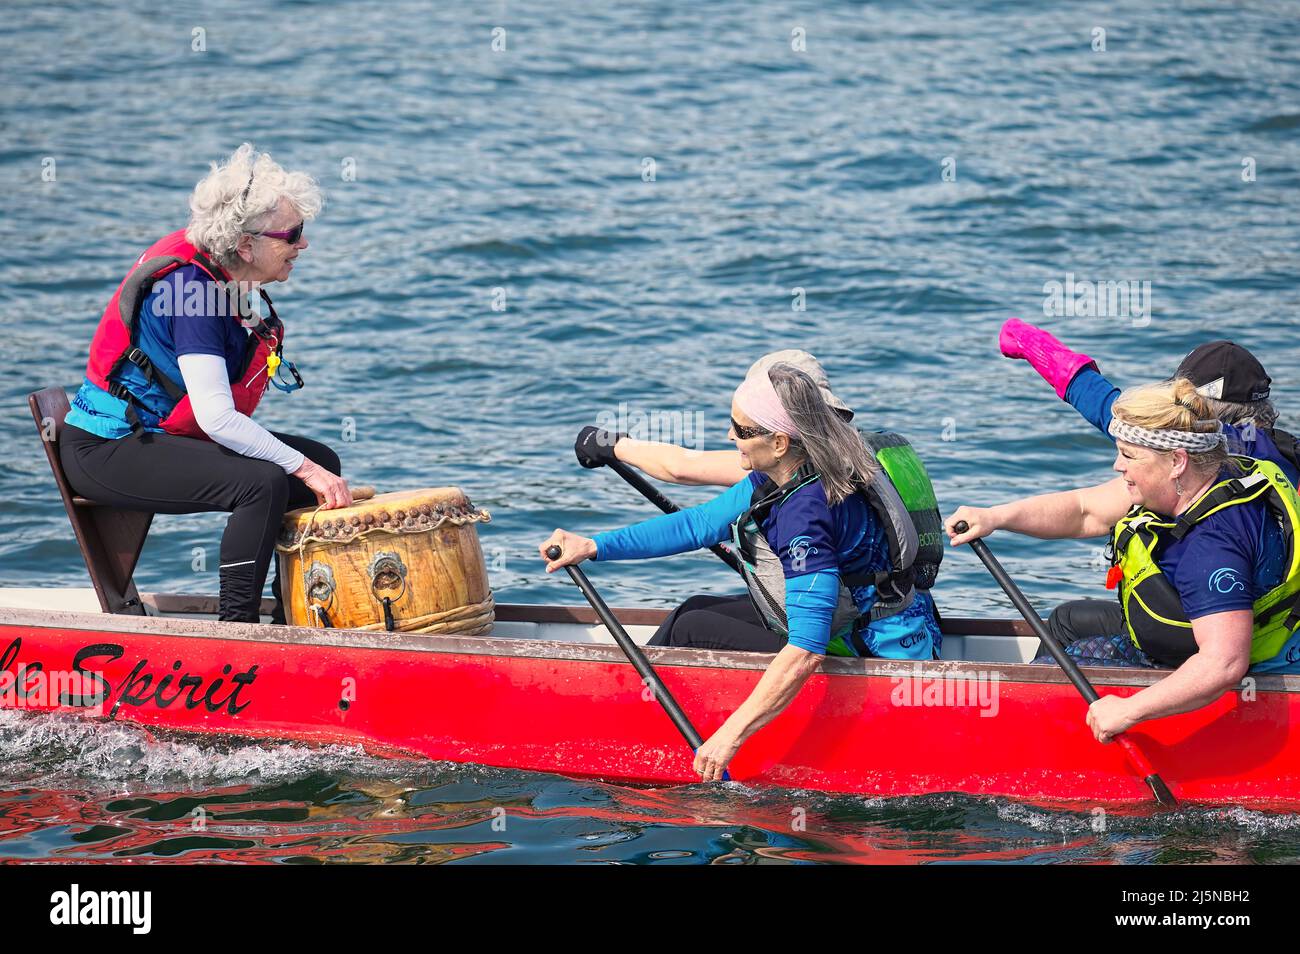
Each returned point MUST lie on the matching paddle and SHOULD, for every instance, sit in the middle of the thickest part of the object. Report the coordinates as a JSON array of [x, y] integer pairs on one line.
[[634, 655], [1144, 768], [667, 506]]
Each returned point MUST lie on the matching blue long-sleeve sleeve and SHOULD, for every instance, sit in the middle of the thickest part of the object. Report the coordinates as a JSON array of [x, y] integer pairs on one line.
[[810, 601], [1091, 394], [690, 529]]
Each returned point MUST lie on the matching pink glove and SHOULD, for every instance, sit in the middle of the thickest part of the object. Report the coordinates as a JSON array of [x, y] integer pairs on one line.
[[1054, 361]]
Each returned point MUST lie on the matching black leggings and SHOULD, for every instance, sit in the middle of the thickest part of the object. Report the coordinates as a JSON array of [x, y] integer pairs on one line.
[[163, 473], [1080, 619], [717, 622]]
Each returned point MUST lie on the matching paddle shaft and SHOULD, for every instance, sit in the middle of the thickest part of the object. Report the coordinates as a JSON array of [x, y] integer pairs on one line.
[[1072, 672], [633, 653], [667, 506]]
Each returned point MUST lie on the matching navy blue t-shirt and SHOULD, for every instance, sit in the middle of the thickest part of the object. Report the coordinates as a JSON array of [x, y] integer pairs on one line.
[[809, 535], [207, 330], [1229, 560], [185, 313]]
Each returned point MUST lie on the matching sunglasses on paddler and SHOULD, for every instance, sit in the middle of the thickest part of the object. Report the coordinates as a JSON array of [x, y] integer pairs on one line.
[[289, 235], [747, 433]]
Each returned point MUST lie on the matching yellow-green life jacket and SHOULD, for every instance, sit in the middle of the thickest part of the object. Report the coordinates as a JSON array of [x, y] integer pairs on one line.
[[1153, 610]]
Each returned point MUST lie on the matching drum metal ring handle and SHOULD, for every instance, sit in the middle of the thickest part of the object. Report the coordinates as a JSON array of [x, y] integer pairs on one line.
[[386, 572], [318, 582]]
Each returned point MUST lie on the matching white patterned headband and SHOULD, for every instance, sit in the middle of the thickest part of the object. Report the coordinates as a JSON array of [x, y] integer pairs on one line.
[[1167, 438]]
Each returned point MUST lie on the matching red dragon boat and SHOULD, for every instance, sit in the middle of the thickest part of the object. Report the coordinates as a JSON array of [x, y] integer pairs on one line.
[[548, 691]]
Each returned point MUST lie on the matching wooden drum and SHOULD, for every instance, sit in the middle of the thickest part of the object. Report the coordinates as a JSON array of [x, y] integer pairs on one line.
[[407, 562]]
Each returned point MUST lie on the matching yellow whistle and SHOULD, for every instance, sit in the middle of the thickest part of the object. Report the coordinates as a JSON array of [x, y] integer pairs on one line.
[[272, 363]]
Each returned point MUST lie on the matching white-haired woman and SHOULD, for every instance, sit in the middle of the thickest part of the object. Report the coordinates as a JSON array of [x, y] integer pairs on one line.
[[1205, 557], [182, 354], [816, 524]]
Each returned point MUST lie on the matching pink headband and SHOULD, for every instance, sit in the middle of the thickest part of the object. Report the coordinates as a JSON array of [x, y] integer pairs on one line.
[[757, 397]]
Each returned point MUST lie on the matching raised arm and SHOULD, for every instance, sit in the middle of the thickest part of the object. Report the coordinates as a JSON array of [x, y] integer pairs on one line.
[[680, 465], [1070, 514], [1073, 375]]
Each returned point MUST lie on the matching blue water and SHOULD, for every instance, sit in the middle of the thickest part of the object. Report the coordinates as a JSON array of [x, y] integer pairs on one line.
[[453, 170]]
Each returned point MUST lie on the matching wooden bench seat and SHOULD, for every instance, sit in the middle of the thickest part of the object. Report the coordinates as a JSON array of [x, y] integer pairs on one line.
[[110, 538]]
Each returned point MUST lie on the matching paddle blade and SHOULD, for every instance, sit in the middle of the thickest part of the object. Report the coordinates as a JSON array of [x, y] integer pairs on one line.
[[1161, 791], [1149, 775]]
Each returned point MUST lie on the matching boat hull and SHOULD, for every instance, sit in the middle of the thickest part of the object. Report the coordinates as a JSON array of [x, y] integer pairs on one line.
[[869, 727]]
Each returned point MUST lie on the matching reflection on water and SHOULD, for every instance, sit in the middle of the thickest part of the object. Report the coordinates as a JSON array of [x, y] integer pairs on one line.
[[159, 800], [782, 176]]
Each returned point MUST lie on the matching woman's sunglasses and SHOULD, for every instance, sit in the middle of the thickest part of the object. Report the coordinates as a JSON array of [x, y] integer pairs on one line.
[[289, 235], [747, 433]]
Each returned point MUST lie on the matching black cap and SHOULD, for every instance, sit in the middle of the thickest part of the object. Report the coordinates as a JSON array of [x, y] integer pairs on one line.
[[1226, 372]]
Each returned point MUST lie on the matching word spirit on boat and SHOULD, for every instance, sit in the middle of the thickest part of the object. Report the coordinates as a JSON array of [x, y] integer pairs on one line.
[[140, 687], [86, 686]]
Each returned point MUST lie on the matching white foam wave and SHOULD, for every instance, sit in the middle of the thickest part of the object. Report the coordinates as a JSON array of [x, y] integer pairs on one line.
[[44, 747]]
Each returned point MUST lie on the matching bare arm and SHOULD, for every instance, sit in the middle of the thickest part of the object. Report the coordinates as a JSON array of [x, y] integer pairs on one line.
[[1221, 660], [1071, 514], [679, 465], [782, 681]]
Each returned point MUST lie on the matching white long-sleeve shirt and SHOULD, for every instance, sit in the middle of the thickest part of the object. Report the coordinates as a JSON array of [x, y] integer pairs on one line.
[[208, 385]]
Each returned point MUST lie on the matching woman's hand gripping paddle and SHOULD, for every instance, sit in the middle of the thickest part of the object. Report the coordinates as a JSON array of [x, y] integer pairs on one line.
[[634, 655], [1139, 761]]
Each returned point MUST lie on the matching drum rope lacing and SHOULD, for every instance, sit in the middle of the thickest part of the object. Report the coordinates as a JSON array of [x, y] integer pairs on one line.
[[356, 527]]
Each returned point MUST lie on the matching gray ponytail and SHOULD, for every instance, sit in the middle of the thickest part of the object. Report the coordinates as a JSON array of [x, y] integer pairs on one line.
[[826, 440]]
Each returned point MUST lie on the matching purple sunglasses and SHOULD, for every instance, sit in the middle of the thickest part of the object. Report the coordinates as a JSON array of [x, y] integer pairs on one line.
[[289, 235]]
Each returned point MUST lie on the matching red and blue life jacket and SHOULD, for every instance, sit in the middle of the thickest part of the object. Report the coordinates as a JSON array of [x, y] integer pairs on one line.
[[115, 340]]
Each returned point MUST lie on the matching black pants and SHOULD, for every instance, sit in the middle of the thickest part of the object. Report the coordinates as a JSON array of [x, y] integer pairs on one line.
[[1079, 619], [717, 622], [163, 473]]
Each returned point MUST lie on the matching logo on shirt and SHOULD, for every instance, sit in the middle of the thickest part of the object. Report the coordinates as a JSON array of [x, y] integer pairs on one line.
[[799, 550], [1224, 580]]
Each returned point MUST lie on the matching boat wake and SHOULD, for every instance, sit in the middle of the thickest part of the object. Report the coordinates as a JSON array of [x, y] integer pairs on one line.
[[73, 788], [48, 749]]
